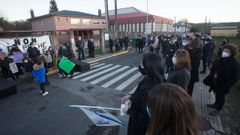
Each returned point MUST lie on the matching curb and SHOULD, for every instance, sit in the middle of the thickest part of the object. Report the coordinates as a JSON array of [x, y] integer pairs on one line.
[[54, 71]]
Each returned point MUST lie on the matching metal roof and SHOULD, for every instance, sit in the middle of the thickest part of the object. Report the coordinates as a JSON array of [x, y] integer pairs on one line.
[[126, 10], [67, 13]]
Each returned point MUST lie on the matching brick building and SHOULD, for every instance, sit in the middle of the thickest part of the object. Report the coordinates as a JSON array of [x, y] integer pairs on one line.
[[67, 25], [132, 22]]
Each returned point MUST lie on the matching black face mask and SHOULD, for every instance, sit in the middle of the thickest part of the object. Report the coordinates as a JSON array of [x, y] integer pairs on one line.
[[141, 70]]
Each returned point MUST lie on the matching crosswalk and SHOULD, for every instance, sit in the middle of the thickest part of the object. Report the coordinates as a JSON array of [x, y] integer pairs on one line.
[[119, 77]]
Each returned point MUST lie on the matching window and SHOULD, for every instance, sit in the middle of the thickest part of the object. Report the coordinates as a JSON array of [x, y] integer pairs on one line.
[[58, 19], [66, 20], [95, 22], [41, 23]]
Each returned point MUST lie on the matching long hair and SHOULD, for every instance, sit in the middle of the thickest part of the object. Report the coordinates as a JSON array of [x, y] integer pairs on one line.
[[153, 65], [183, 59], [172, 111]]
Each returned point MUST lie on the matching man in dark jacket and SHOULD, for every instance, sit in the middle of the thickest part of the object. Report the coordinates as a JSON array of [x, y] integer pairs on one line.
[[111, 45], [121, 43], [225, 75], [206, 54], [126, 40], [80, 46], [194, 49], [91, 48]]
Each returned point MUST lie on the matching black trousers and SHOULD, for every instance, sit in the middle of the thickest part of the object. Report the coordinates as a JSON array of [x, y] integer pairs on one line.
[[220, 99], [191, 87], [42, 87], [81, 52]]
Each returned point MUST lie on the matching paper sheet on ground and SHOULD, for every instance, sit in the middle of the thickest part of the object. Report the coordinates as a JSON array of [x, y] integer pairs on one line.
[[99, 116]]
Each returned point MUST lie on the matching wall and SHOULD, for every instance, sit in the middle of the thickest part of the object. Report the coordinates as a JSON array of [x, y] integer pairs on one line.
[[44, 24], [224, 32]]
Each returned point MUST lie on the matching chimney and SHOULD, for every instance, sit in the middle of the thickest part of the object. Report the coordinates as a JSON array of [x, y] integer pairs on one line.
[[32, 13], [99, 12]]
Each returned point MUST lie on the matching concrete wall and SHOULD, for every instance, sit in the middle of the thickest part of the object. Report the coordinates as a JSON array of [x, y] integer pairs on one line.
[[224, 32]]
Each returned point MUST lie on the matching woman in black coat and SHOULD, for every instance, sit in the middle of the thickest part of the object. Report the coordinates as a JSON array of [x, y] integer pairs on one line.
[[181, 73], [225, 72], [153, 72]]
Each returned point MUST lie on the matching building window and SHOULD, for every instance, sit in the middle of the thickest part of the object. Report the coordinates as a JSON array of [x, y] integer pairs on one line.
[[58, 19], [41, 23], [66, 20], [95, 22]]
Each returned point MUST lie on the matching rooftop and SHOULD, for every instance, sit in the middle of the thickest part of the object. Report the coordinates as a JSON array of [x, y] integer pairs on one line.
[[66, 13]]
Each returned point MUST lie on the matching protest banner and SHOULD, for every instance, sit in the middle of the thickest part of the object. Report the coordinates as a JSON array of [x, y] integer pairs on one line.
[[99, 116], [41, 42]]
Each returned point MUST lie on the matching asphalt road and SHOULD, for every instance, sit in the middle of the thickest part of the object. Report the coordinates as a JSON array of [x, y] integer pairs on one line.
[[28, 113]]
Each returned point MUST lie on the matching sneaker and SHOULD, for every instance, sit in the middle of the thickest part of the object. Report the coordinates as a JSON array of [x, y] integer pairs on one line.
[[45, 93], [215, 113]]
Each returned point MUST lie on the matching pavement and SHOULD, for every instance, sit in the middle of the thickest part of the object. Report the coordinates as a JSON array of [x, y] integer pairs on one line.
[[29, 113]]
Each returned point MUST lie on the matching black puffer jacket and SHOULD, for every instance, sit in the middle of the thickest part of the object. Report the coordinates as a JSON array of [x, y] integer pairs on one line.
[[139, 119]]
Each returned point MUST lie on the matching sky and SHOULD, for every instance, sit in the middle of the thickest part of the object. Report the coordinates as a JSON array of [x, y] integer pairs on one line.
[[193, 10]]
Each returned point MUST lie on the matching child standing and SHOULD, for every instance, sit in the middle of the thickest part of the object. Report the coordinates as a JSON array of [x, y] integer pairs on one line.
[[39, 74]]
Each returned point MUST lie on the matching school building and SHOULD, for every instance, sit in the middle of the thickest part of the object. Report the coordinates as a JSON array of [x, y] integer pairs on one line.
[[132, 22]]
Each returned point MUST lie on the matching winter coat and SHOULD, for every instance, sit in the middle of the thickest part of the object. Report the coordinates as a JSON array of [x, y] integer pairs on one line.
[[33, 52], [206, 51], [39, 73], [195, 57], [227, 74], [139, 119], [18, 57], [48, 58], [180, 77]]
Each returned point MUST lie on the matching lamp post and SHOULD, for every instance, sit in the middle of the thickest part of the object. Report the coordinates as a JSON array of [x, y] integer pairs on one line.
[[116, 19]]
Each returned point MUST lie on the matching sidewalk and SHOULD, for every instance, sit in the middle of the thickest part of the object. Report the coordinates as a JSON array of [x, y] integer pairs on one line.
[[201, 97]]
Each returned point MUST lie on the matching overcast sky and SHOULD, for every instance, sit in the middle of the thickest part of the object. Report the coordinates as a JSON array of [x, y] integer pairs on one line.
[[194, 10]]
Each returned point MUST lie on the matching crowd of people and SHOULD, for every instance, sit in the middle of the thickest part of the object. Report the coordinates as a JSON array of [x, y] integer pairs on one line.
[[163, 105]]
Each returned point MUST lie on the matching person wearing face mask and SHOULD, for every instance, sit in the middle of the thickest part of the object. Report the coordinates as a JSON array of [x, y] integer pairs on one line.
[[153, 72], [181, 73], [225, 72], [206, 54]]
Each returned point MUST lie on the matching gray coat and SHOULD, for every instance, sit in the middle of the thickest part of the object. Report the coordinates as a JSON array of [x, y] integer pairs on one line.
[[180, 77]]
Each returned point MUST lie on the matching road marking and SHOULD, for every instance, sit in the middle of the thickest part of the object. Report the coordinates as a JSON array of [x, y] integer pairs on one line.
[[107, 84], [128, 82], [108, 75], [94, 64], [93, 71], [99, 65], [76, 73], [133, 90], [100, 73]]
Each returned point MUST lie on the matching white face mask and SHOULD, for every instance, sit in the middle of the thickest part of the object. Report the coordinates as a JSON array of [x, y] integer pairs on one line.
[[225, 54], [174, 60], [184, 43]]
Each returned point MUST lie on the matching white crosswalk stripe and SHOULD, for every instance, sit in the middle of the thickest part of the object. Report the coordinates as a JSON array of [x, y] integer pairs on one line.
[[92, 71], [128, 82], [100, 73], [76, 73], [133, 90], [94, 64], [109, 75], [98, 65], [106, 85]]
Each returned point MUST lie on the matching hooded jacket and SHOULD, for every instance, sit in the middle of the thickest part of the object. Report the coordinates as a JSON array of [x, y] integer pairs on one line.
[[39, 73]]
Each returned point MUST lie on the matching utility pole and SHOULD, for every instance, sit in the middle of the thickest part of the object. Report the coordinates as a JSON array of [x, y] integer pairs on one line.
[[116, 18], [107, 15], [147, 19]]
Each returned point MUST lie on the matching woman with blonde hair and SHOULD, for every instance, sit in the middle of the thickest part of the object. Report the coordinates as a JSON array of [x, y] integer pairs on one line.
[[182, 69], [171, 111]]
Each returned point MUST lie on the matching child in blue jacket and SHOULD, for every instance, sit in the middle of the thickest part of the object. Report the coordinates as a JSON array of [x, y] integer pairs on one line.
[[39, 74]]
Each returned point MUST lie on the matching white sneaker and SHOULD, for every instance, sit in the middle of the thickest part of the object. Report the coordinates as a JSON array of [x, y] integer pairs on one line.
[[45, 93]]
